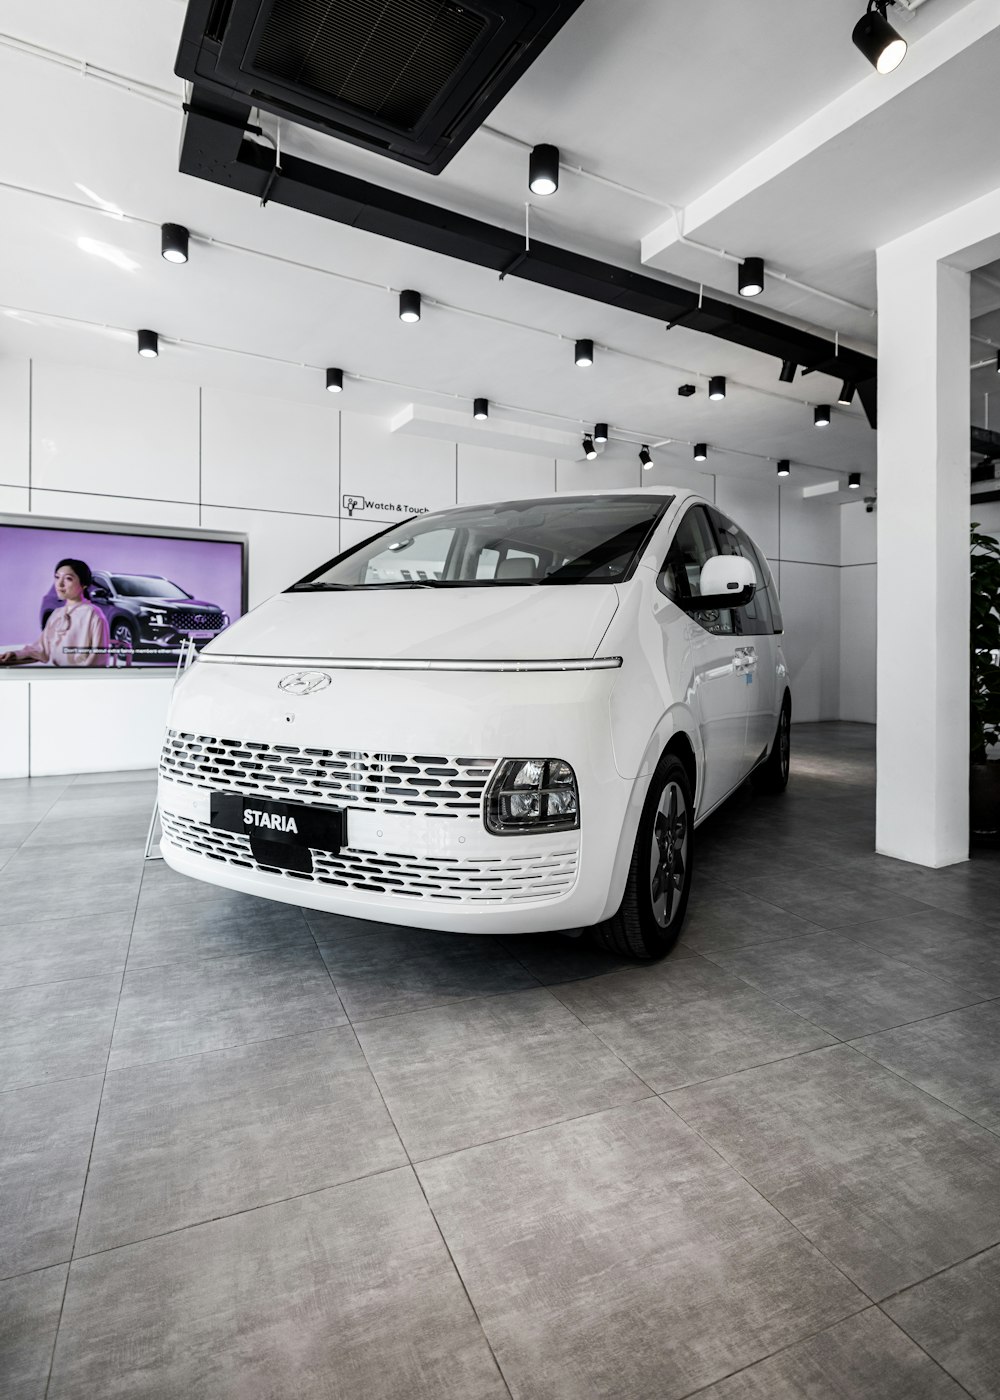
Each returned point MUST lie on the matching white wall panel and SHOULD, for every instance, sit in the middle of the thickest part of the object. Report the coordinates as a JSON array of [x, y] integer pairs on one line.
[[122, 435], [857, 642], [97, 724], [354, 532], [393, 476], [282, 547], [270, 453], [14, 427], [753, 505], [118, 510], [858, 531], [492, 474], [601, 475], [679, 474], [809, 528], [13, 728], [14, 499], [810, 604]]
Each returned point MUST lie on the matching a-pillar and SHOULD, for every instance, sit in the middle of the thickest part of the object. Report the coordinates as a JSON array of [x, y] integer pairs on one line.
[[922, 807]]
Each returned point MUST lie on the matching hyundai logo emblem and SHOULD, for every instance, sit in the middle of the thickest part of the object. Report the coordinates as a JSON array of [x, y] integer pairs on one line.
[[304, 682]]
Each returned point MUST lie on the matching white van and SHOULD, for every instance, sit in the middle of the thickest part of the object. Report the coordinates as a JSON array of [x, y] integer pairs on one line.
[[493, 719]]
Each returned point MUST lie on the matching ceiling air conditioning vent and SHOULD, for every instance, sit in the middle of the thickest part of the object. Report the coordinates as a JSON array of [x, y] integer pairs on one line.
[[412, 79]]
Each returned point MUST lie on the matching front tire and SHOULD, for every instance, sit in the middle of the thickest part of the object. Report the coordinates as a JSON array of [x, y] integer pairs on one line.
[[772, 776], [649, 920]]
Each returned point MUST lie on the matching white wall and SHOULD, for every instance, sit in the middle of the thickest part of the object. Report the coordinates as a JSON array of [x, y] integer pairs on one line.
[[857, 612], [144, 449]]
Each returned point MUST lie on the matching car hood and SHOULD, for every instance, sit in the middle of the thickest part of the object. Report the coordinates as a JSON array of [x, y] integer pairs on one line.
[[506, 623], [152, 601]]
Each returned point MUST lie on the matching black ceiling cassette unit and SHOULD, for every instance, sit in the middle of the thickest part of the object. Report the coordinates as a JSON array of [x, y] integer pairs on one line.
[[410, 79]]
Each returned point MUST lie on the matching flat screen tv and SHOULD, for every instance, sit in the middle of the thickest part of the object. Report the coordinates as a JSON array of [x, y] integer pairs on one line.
[[79, 594]]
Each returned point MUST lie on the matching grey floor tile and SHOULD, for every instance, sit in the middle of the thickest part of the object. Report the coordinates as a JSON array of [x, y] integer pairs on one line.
[[947, 945], [45, 1137], [209, 1135], [168, 930], [556, 957], [954, 1057], [29, 1315], [118, 834], [14, 833], [826, 898], [722, 916], [479, 1070], [347, 1292], [684, 1020], [617, 1255], [38, 884], [387, 970], [55, 950], [865, 1357], [890, 1184], [211, 1003], [142, 776], [846, 987], [956, 1318], [56, 1030]]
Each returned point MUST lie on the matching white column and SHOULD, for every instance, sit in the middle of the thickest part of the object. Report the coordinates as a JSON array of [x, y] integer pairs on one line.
[[922, 809]]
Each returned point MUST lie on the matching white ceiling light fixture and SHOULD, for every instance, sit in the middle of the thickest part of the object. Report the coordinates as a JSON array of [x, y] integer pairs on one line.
[[543, 170], [877, 40]]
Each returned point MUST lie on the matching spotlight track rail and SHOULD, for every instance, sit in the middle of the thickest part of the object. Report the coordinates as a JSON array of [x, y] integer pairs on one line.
[[216, 147]]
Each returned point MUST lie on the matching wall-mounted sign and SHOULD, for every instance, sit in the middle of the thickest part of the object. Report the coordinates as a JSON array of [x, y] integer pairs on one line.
[[363, 506]]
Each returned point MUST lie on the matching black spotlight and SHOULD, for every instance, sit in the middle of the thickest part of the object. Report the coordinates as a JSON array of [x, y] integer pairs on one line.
[[409, 306], [174, 243], [148, 344], [335, 380], [646, 458], [751, 277], [717, 386], [584, 355], [600, 432], [481, 408], [788, 368], [822, 415], [784, 467], [854, 481], [847, 392], [543, 170], [701, 452], [876, 38], [589, 450]]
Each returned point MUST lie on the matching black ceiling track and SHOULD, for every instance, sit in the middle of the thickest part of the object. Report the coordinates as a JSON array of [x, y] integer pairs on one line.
[[216, 147]]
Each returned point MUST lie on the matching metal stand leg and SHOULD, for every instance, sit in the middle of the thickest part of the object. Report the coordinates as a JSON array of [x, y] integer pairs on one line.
[[150, 834]]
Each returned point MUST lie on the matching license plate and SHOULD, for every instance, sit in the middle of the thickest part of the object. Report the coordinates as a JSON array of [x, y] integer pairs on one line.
[[282, 823]]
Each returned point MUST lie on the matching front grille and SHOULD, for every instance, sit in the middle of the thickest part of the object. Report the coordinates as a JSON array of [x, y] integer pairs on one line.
[[186, 621], [491, 880], [432, 784]]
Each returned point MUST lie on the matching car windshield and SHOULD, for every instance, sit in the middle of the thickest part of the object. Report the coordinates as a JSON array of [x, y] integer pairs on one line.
[[577, 539], [144, 586]]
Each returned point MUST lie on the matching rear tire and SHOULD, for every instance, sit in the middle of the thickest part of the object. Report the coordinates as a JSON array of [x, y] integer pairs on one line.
[[772, 775], [649, 920]]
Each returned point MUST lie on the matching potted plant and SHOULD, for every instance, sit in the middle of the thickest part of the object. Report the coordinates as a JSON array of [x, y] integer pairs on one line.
[[984, 769]]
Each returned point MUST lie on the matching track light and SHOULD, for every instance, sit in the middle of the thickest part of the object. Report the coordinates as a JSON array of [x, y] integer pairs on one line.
[[854, 481], [335, 380], [847, 392], [876, 38], [589, 450], [646, 458], [788, 368], [481, 408], [584, 353], [751, 277], [148, 344], [600, 432], [174, 243], [543, 170], [700, 452], [409, 306], [822, 415], [784, 467], [717, 386]]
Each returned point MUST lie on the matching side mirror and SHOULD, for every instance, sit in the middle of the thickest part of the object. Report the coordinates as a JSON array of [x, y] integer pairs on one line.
[[97, 593], [727, 581]]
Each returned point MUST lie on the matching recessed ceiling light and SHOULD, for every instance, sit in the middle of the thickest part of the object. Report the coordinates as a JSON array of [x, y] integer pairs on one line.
[[174, 243], [600, 432], [335, 380], [877, 40], [148, 344], [751, 280], [481, 408], [584, 354], [717, 386], [822, 415], [543, 170], [409, 306]]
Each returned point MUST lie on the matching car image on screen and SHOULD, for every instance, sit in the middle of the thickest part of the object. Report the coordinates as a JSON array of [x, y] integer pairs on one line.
[[147, 611]]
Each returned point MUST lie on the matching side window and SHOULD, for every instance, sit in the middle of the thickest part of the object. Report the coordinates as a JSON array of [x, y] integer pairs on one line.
[[754, 618], [692, 545]]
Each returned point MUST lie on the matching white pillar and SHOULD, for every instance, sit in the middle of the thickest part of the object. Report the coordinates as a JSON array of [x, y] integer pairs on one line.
[[922, 807]]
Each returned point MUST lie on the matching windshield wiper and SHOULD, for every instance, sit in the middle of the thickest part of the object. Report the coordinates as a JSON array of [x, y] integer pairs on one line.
[[318, 587]]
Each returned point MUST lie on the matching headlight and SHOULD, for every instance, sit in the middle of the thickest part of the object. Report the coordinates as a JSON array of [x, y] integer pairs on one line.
[[532, 794], [155, 615]]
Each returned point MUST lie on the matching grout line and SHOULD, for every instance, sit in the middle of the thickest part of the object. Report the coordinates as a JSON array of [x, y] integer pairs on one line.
[[200, 420], [31, 427]]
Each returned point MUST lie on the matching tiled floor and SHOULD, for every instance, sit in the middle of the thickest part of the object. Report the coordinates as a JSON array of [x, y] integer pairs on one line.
[[248, 1153]]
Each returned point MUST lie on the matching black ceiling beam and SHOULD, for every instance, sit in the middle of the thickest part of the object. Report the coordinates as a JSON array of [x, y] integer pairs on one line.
[[215, 148]]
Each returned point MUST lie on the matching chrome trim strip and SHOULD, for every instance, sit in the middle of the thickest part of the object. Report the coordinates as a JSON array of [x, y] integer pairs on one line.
[[351, 663]]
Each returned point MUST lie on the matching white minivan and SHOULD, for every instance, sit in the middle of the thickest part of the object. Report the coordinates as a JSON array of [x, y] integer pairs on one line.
[[501, 718]]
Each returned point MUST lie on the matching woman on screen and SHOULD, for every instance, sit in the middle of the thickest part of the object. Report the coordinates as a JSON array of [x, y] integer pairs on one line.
[[75, 634]]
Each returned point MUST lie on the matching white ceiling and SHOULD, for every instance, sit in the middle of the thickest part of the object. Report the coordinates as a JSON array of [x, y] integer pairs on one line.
[[675, 100]]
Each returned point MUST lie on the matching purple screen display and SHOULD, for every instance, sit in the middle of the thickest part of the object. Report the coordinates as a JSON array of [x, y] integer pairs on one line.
[[153, 590]]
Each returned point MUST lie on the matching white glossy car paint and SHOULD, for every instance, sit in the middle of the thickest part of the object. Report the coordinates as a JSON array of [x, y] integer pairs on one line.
[[645, 672]]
